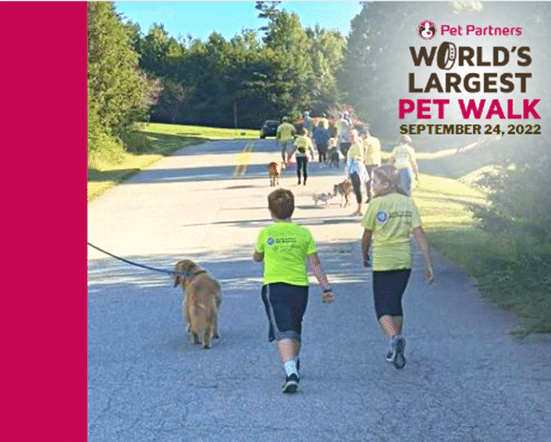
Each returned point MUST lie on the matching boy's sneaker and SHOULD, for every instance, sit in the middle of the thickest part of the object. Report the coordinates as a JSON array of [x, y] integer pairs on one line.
[[291, 384], [391, 355], [399, 358]]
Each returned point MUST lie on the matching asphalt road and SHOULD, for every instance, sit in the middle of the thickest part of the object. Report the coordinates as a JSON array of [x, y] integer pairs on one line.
[[465, 380]]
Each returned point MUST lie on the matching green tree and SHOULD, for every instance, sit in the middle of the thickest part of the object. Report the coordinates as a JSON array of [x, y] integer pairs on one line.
[[287, 50], [160, 53], [327, 52], [117, 89], [245, 80]]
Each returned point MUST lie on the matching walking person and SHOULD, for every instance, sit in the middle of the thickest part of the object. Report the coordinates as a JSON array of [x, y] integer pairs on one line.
[[343, 126], [324, 121], [355, 169], [403, 158], [284, 134], [372, 157], [321, 136], [303, 145], [390, 219], [332, 149], [308, 122], [283, 248]]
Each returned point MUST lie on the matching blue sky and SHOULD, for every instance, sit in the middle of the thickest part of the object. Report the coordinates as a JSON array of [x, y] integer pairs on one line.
[[228, 18]]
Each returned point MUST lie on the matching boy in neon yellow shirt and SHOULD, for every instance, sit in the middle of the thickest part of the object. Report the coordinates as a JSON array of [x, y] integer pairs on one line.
[[283, 248], [389, 220]]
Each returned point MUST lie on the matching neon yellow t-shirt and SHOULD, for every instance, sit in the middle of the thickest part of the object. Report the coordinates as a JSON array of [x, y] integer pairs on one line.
[[372, 148], [285, 131], [285, 246], [391, 218], [356, 151], [303, 143], [404, 156]]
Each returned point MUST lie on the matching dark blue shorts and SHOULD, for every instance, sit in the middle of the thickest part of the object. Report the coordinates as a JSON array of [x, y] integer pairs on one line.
[[388, 289], [285, 306]]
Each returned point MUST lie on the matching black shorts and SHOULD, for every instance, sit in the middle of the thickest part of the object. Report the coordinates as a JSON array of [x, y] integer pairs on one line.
[[388, 289], [285, 306]]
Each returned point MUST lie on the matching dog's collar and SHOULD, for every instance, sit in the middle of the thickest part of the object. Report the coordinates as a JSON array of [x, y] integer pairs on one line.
[[189, 279]]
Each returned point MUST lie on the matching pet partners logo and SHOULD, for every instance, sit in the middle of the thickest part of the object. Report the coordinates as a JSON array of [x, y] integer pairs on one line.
[[382, 217], [426, 30]]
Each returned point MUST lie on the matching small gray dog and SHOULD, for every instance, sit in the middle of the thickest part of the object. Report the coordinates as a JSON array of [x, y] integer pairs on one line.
[[322, 196]]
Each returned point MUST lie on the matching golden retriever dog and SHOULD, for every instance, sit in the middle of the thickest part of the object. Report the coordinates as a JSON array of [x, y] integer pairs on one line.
[[343, 189], [202, 298], [274, 172]]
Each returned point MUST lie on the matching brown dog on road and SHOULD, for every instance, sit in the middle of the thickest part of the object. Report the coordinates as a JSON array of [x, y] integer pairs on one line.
[[274, 172], [343, 189], [202, 298]]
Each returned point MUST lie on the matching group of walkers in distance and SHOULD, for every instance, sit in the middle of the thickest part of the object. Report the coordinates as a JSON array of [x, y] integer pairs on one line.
[[390, 220], [359, 149]]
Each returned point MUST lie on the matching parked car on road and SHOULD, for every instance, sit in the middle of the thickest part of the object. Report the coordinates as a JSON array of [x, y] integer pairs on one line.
[[269, 128]]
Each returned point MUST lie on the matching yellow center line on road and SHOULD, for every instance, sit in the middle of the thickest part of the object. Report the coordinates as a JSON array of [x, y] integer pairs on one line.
[[242, 160]]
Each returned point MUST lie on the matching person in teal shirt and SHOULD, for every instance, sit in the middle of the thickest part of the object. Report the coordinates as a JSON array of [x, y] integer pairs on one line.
[[283, 248]]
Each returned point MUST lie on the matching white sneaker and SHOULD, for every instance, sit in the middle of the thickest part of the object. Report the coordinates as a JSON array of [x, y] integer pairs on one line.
[[291, 384]]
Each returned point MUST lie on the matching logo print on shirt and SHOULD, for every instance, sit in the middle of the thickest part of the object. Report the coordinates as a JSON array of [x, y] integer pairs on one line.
[[271, 241], [382, 216]]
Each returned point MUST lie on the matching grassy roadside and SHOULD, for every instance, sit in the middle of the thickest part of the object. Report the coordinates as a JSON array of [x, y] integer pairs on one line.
[[148, 144], [507, 272], [210, 133]]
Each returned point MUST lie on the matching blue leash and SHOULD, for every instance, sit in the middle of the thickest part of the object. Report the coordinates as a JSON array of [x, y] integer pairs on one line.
[[169, 272]]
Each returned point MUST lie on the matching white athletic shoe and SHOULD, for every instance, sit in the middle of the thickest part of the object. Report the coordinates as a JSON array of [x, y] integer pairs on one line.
[[291, 384]]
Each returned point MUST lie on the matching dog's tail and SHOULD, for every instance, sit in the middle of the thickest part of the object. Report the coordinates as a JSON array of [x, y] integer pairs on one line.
[[202, 314]]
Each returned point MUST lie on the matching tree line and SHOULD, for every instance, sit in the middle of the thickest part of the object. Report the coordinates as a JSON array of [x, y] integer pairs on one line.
[[242, 81]]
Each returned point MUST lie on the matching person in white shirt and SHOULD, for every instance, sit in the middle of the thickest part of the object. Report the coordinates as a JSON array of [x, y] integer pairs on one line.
[[343, 127]]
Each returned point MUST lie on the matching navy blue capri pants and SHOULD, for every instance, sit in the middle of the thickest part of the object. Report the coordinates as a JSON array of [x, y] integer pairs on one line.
[[285, 306]]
